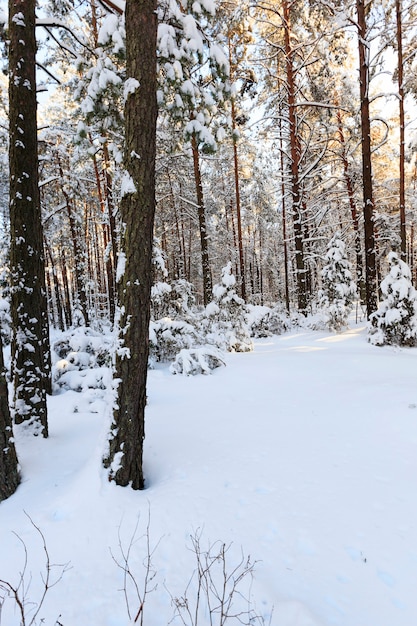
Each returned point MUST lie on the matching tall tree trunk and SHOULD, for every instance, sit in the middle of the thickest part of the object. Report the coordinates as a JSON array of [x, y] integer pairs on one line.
[[237, 192], [137, 215], [66, 287], [295, 163], [9, 473], [284, 221], [368, 200], [403, 234], [353, 210], [78, 250], [30, 345], [56, 290], [205, 259]]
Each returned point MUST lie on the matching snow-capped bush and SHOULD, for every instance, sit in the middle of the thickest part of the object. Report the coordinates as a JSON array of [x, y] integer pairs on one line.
[[197, 361], [167, 337], [97, 345], [182, 299], [83, 358], [265, 321], [224, 323], [338, 293], [395, 321]]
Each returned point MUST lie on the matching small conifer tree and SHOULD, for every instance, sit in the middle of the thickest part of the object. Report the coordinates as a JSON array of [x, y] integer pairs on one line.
[[395, 321], [227, 313], [338, 292]]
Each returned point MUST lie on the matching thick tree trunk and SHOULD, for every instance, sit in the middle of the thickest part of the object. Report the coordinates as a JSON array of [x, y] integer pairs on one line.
[[30, 345], [9, 474], [137, 215], [368, 200], [295, 165]]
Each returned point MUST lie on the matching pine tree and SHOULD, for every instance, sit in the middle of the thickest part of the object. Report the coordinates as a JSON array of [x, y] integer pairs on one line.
[[30, 344], [137, 210], [338, 291], [226, 313], [395, 321]]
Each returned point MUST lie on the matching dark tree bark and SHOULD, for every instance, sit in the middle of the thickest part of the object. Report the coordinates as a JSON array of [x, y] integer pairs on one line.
[[137, 215], [302, 296], [368, 200], [9, 473], [205, 259], [403, 233], [30, 345]]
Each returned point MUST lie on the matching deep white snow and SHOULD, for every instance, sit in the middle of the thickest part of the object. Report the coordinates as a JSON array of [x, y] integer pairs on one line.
[[302, 453]]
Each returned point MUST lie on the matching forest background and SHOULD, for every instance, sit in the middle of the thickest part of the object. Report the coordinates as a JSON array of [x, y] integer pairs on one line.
[[259, 156]]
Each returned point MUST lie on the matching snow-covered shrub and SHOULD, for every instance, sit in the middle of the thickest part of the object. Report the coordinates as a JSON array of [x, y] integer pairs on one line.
[[395, 321], [77, 351], [224, 323], [338, 293], [182, 299], [97, 345], [160, 299], [265, 321], [161, 290], [197, 361], [167, 337]]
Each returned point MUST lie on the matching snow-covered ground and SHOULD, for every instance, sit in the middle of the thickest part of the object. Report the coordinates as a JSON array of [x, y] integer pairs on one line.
[[302, 454]]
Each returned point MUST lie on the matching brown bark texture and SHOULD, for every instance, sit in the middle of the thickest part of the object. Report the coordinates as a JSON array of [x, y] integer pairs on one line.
[[137, 216], [30, 346], [302, 296], [368, 200]]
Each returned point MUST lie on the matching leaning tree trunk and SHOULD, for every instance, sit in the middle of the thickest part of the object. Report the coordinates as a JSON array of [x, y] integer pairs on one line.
[[9, 473], [30, 346], [368, 200], [137, 216]]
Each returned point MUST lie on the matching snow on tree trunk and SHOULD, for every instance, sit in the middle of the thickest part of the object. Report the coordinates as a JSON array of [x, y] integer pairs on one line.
[[137, 210], [9, 475], [395, 321], [30, 345]]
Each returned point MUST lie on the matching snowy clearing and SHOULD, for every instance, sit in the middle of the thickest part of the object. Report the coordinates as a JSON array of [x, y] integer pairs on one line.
[[303, 454]]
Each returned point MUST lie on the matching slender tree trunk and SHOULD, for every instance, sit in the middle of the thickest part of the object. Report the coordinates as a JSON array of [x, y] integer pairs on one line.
[[30, 344], [403, 234], [205, 260], [60, 313], [353, 210], [237, 196], [284, 221], [78, 250], [67, 297], [368, 200], [108, 253], [137, 215]]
